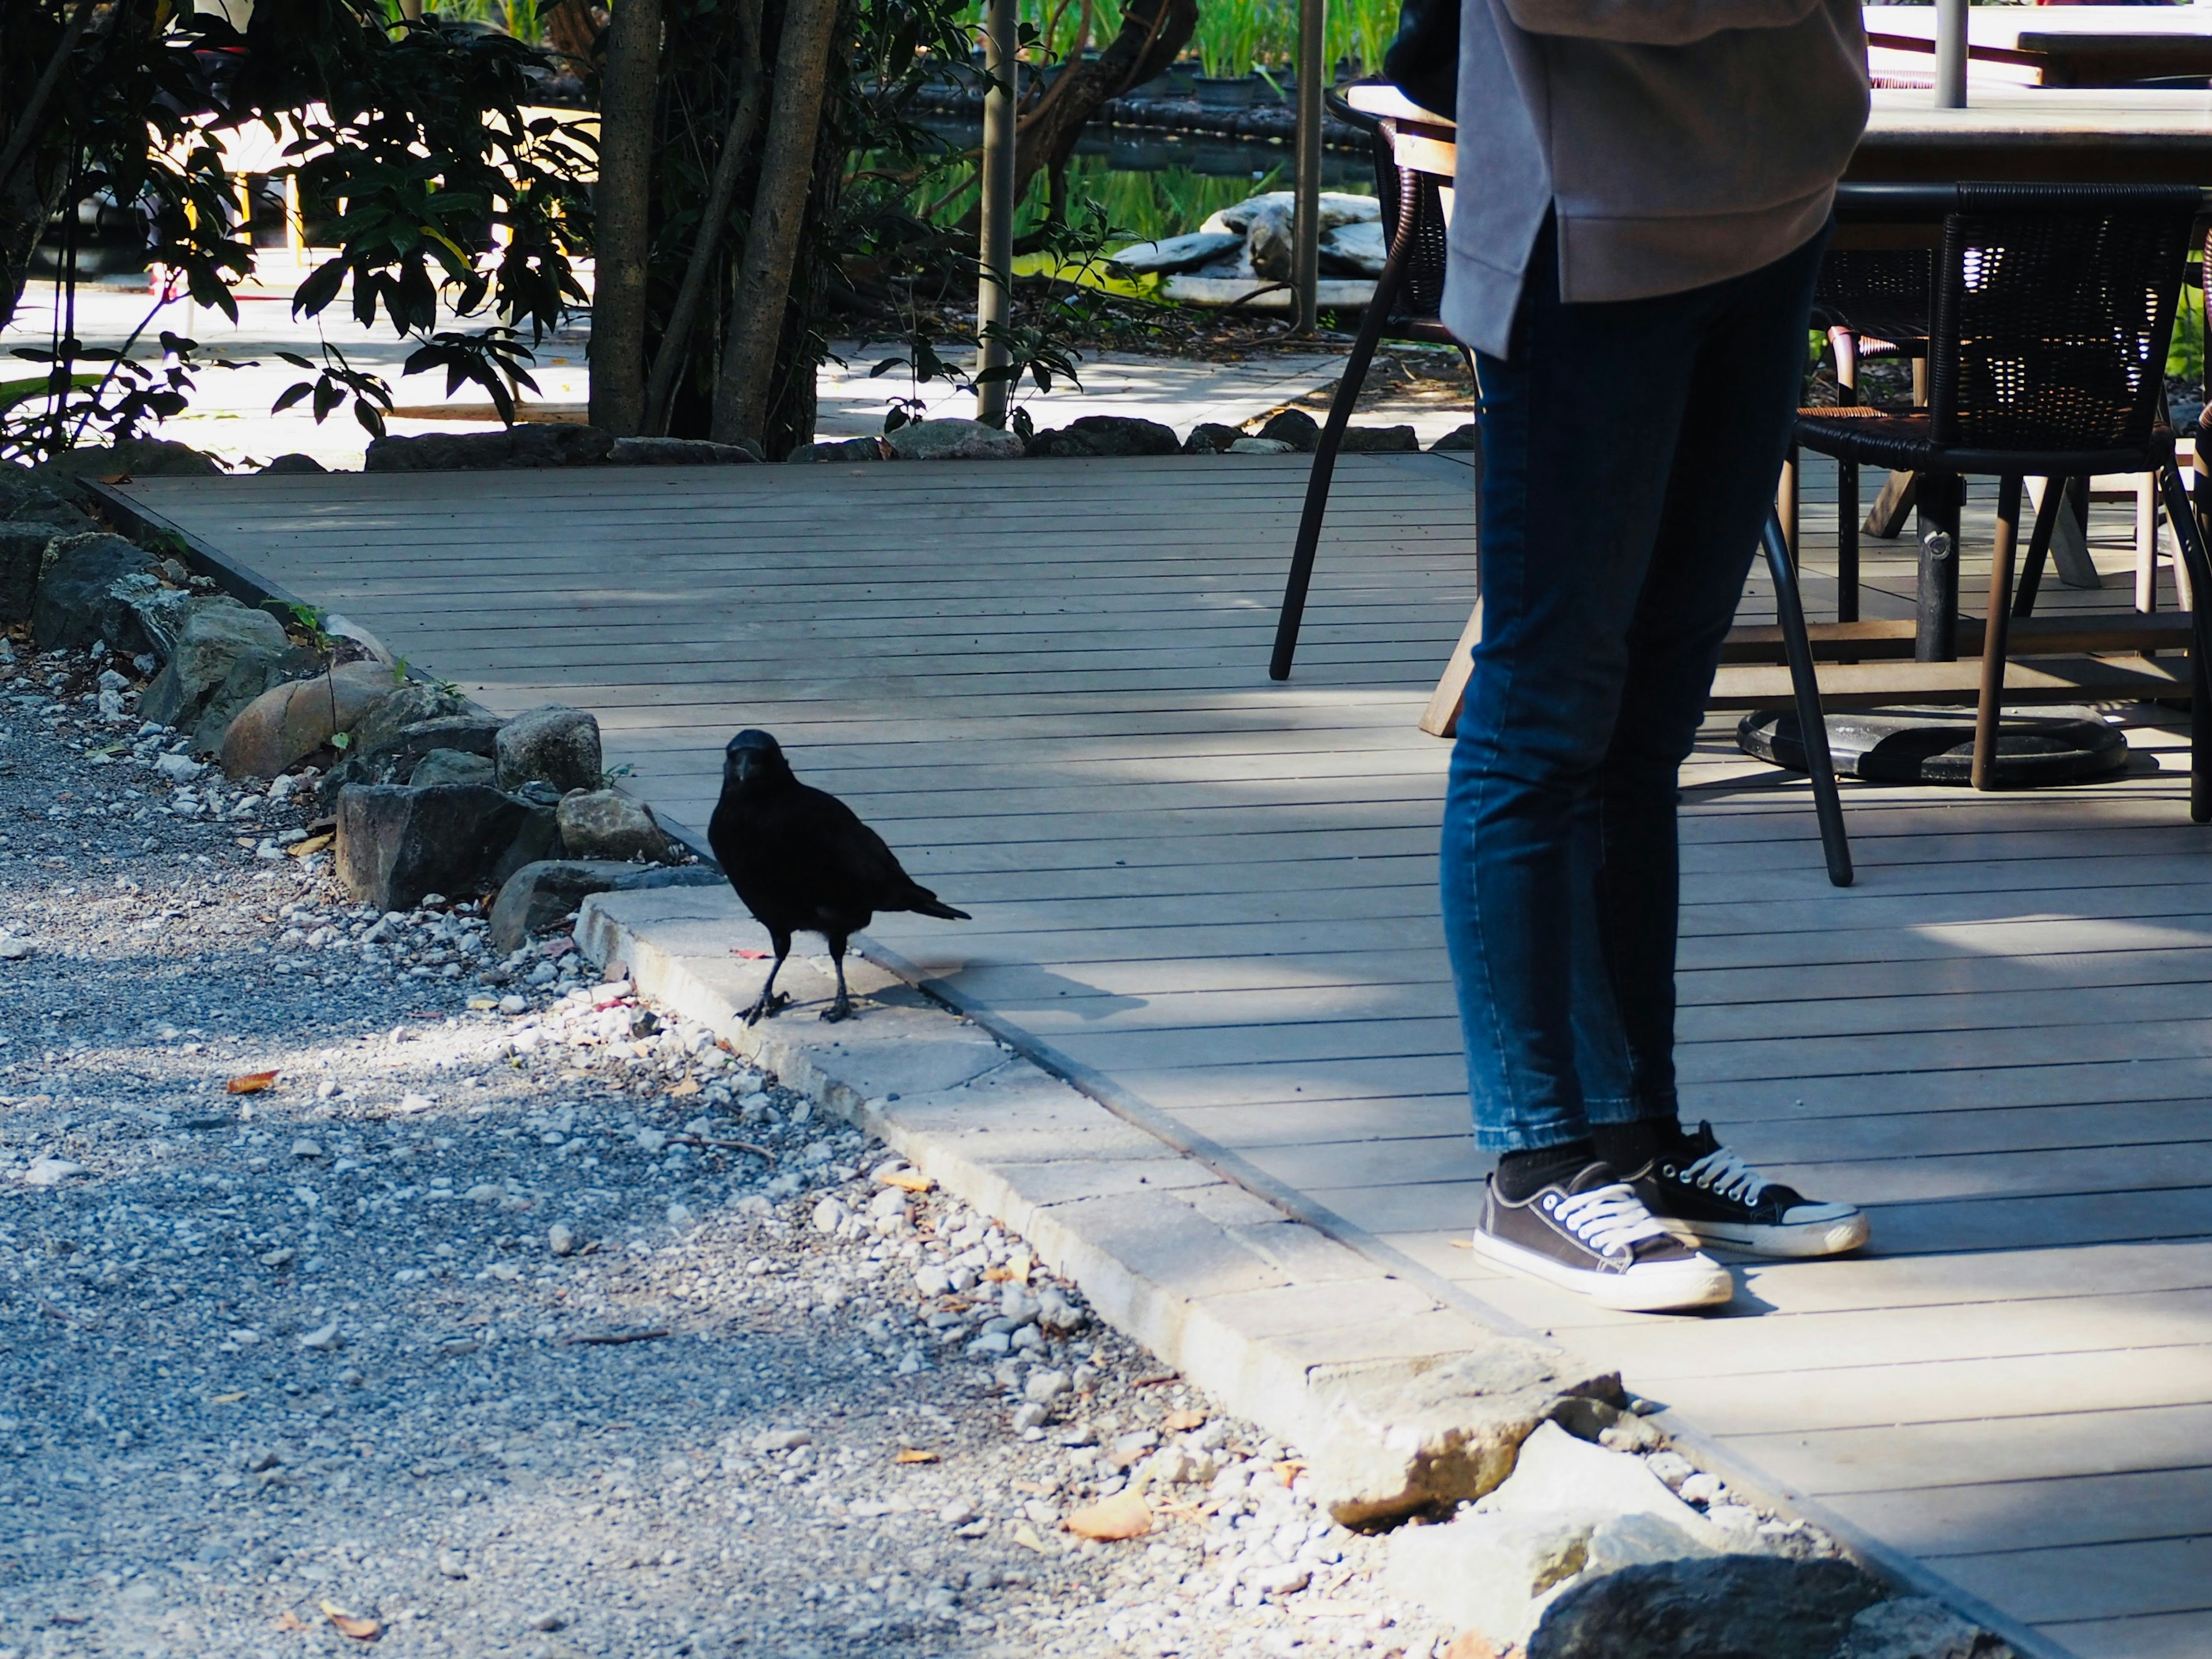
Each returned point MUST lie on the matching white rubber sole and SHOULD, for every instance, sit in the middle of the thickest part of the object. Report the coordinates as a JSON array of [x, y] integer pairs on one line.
[[1668, 1288], [1827, 1234]]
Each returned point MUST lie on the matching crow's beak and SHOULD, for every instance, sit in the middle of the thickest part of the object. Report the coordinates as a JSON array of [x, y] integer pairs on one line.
[[741, 765]]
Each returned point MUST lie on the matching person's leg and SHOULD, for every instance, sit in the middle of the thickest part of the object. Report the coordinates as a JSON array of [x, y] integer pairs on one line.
[[1744, 369], [1743, 388], [1570, 516]]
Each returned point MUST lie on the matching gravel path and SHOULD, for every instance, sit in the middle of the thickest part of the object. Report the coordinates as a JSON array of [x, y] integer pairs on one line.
[[509, 1320]]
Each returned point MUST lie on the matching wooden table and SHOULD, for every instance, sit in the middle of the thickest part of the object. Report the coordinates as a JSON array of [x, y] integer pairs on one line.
[[2044, 45]]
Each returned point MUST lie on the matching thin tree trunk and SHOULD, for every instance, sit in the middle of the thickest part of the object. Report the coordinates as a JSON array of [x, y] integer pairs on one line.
[[787, 161], [623, 204], [24, 207], [668, 359]]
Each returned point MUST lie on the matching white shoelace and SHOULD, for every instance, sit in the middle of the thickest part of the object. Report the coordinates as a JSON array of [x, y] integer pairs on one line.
[[1608, 1217], [1722, 1171]]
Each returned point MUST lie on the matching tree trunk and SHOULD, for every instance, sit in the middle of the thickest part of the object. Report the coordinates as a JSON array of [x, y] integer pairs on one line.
[[571, 31], [624, 202], [24, 210], [1153, 35], [758, 307], [721, 197]]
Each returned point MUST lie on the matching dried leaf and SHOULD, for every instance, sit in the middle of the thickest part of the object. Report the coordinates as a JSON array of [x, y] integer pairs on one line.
[[1179, 1422], [689, 1086], [351, 1623], [1471, 1644], [1125, 1515], [1290, 1469], [912, 1181], [1026, 1537], [909, 1454], [1461, 1243], [251, 1082], [743, 954], [289, 1619], [310, 846], [230, 1398], [999, 1275]]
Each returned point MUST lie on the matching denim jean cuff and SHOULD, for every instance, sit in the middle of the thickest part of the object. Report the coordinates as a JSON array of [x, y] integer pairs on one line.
[[1512, 1138], [1633, 1108]]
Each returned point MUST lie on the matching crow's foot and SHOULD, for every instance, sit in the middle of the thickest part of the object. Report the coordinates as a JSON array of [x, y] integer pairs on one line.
[[840, 1009], [766, 1008]]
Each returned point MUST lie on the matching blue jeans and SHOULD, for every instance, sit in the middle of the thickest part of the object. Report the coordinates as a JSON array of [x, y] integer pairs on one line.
[[1630, 456]]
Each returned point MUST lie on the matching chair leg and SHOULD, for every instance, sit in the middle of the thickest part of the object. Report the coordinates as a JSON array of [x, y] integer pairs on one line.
[[1847, 541], [2147, 542], [1988, 711], [2179, 513], [1332, 435], [1812, 726], [2039, 546]]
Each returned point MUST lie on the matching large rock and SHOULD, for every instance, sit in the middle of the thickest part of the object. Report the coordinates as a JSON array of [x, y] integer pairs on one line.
[[1380, 440], [1354, 249], [381, 753], [1337, 207], [536, 898], [605, 823], [1173, 253], [1915, 1627], [134, 458], [454, 766], [1460, 439], [1270, 240], [410, 704], [395, 843], [94, 588], [293, 465], [1555, 1472], [249, 678], [1293, 427], [23, 544], [532, 444], [287, 723], [954, 440], [1727, 1607], [679, 452], [1210, 438], [844, 449], [1495, 1574], [218, 632], [1402, 1437], [553, 743], [1107, 435]]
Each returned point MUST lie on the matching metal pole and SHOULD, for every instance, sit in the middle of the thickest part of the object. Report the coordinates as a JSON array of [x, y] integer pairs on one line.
[[1305, 231], [1950, 54], [995, 292]]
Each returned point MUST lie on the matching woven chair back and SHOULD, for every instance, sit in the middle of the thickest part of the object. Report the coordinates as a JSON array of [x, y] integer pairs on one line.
[[1884, 294], [2054, 305], [1421, 296]]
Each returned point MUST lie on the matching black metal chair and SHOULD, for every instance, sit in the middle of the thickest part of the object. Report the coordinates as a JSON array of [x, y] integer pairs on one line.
[[1408, 297], [2052, 309]]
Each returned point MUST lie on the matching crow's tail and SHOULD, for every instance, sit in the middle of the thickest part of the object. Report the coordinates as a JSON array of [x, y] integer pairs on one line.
[[923, 902]]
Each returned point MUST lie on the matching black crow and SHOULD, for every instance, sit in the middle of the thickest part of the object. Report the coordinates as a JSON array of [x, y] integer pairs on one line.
[[802, 861]]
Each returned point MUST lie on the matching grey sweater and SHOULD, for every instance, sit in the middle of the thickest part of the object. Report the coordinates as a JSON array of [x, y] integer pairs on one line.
[[1681, 142]]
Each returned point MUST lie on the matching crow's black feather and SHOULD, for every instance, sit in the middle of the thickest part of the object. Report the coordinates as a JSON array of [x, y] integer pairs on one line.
[[803, 862]]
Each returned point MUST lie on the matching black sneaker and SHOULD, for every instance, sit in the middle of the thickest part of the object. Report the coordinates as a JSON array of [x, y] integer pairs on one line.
[[1594, 1234], [1706, 1195]]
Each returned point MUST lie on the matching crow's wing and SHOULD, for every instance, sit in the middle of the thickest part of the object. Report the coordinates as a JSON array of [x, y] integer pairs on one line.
[[866, 870]]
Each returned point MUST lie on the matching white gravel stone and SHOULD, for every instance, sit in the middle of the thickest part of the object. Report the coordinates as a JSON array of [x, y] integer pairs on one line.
[[51, 1171]]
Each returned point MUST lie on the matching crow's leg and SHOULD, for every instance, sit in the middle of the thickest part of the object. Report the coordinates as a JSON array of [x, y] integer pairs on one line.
[[765, 1006], [842, 1006]]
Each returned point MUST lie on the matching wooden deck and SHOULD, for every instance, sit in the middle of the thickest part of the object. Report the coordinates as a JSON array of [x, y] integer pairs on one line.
[[1046, 684]]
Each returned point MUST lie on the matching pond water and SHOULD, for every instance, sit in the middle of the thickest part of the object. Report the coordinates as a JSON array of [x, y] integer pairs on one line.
[[1155, 183]]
